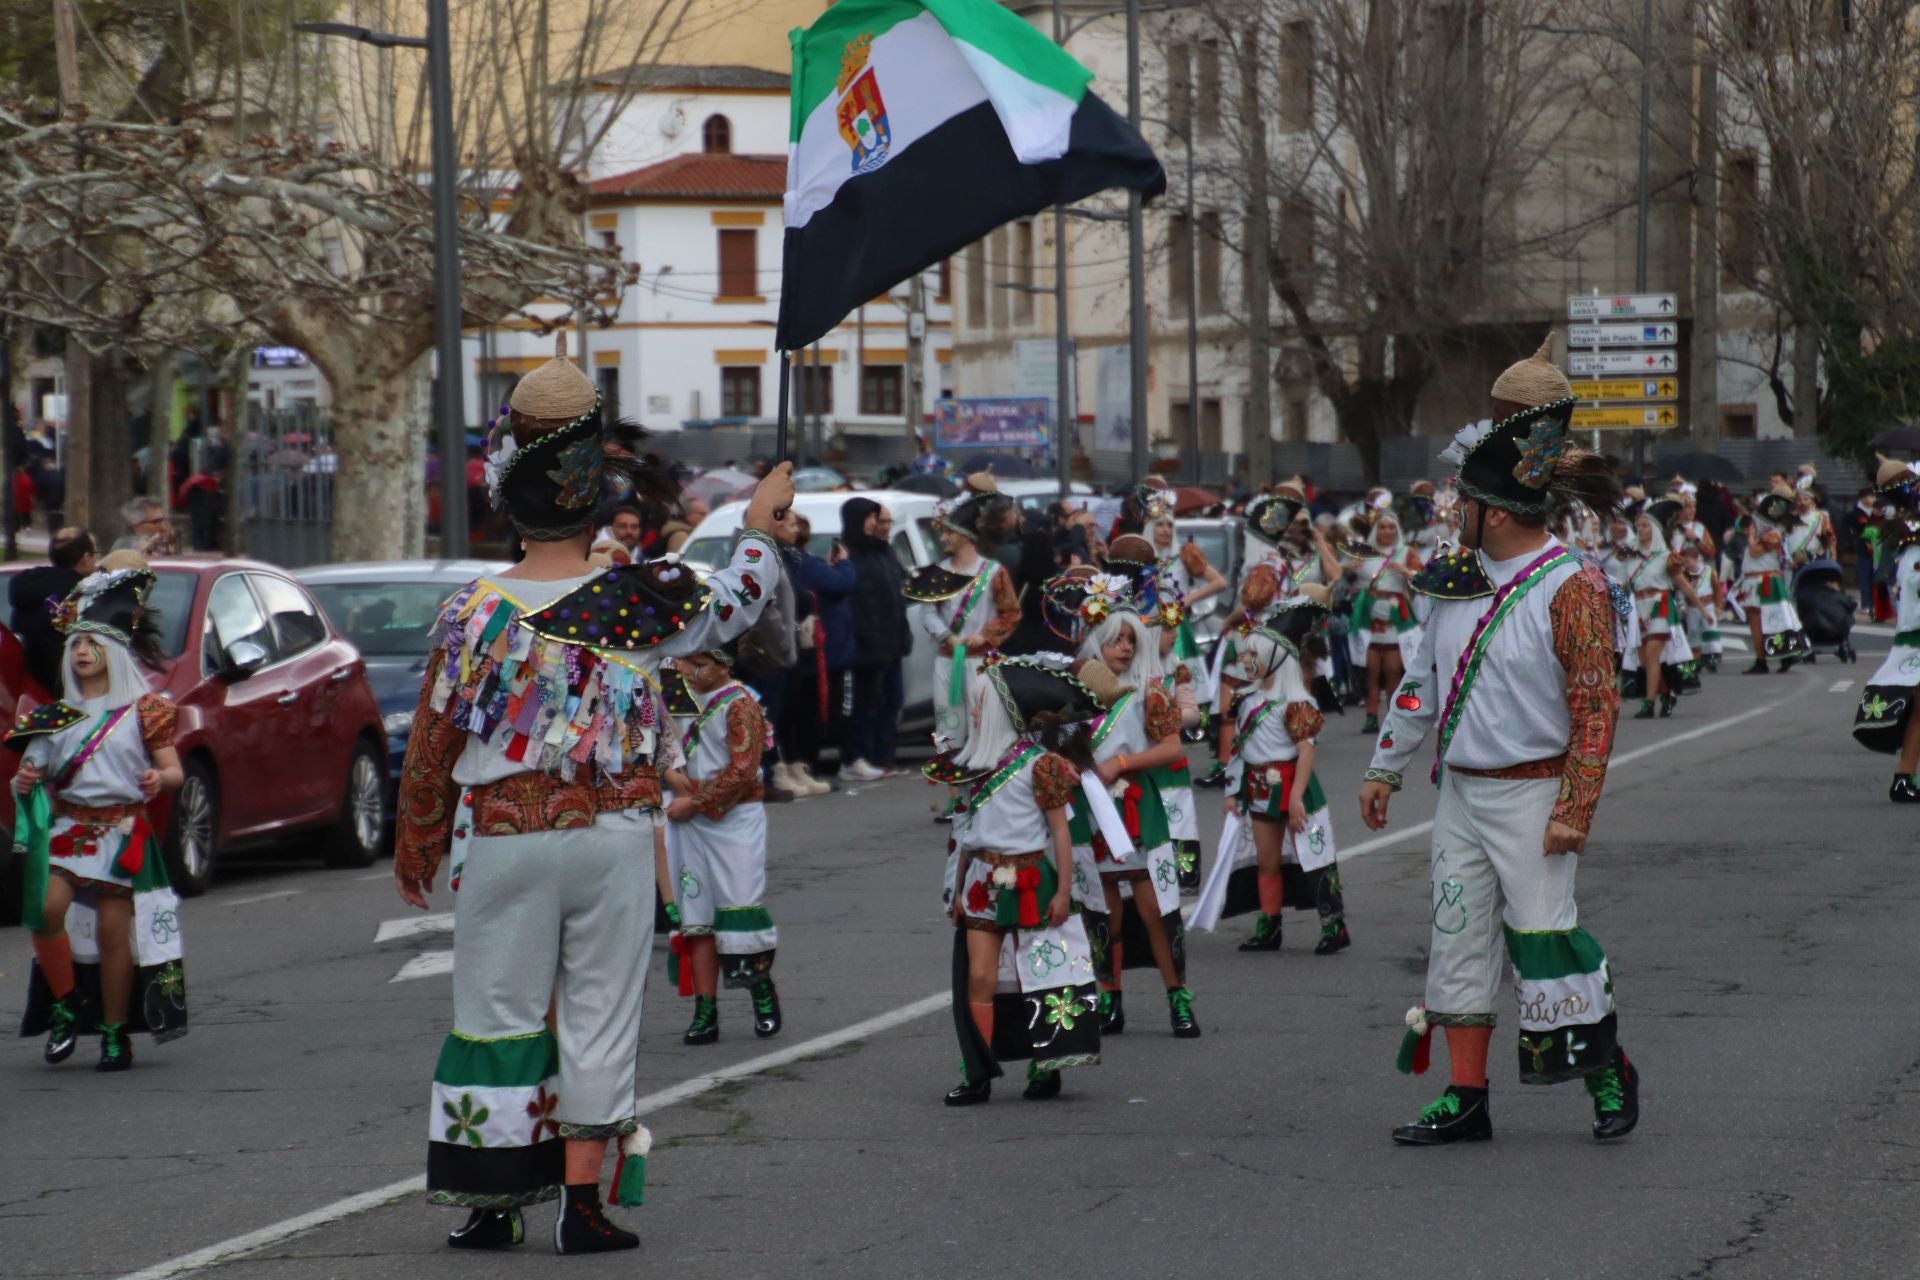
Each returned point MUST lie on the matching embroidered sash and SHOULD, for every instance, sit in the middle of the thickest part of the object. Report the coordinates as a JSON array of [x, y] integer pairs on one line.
[[90, 745], [720, 702], [1468, 668], [1009, 767], [1110, 721], [1245, 732]]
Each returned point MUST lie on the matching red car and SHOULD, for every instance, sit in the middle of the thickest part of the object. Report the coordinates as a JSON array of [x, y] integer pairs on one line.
[[279, 731]]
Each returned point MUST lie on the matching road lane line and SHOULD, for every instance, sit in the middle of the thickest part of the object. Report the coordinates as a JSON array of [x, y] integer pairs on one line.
[[428, 964], [240, 1245], [409, 926], [1840, 686], [378, 875], [258, 897]]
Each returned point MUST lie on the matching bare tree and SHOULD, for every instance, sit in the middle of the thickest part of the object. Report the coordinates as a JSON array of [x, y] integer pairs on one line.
[[1416, 199], [287, 194]]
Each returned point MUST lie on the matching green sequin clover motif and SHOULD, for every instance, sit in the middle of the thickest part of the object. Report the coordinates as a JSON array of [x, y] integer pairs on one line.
[[171, 981], [1063, 1009], [466, 1121], [1538, 1048], [1874, 707]]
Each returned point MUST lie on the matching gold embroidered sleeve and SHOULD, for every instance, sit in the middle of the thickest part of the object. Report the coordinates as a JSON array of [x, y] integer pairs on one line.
[[157, 720], [739, 781], [1162, 716], [1006, 614], [1583, 641], [1303, 721], [428, 795], [1053, 782]]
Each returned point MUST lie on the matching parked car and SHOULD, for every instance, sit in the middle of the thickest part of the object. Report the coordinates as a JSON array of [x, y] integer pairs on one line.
[[19, 694], [913, 543], [1223, 540], [385, 610], [278, 730], [1038, 495]]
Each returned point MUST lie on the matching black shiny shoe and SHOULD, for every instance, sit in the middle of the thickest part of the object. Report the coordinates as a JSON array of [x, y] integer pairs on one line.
[[766, 1009], [967, 1095], [705, 1027], [1333, 938], [1458, 1115], [116, 1050], [1646, 710], [489, 1229], [582, 1226], [1180, 1012], [1041, 1085], [1266, 934], [1370, 725], [1759, 668], [61, 1037], [1213, 779], [1616, 1097], [1113, 1013], [1903, 791], [1668, 702]]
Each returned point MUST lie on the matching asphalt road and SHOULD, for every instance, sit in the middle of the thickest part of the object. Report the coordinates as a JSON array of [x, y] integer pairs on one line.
[[1753, 887]]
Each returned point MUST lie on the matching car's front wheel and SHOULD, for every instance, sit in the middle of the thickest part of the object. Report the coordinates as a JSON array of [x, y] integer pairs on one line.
[[190, 841], [355, 839]]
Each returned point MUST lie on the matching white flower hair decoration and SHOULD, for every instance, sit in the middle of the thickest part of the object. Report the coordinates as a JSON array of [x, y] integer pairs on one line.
[[1465, 440]]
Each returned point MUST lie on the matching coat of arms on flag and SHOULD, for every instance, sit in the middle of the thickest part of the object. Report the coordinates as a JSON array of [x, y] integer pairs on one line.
[[862, 112]]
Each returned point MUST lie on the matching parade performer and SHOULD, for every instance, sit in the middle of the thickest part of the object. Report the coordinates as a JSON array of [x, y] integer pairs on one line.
[[968, 605], [1278, 793], [1009, 880], [1192, 579], [720, 832], [1654, 580], [1703, 613], [1134, 741], [1884, 720], [1383, 625], [534, 767], [1518, 639], [1772, 620], [89, 766]]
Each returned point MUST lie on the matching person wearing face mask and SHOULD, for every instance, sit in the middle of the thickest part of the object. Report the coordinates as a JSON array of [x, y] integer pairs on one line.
[[1514, 677]]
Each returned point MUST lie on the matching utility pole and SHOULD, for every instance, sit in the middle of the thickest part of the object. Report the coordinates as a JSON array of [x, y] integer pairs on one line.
[[1644, 191], [915, 399], [76, 462], [1065, 421], [1136, 266], [1257, 431], [1703, 354], [1190, 447], [446, 287]]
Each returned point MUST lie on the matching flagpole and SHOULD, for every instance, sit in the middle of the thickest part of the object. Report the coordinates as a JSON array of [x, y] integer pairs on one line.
[[780, 421]]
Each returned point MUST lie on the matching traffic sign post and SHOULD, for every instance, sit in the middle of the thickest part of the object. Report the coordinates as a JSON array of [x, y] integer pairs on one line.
[[1632, 306], [1600, 363], [1634, 334], [1627, 389], [1627, 416], [1657, 333]]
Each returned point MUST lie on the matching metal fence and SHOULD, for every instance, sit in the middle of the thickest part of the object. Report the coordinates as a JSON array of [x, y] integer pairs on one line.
[[286, 471]]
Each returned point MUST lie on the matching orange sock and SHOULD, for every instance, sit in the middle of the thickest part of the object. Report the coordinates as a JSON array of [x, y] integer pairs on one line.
[[1467, 1055], [1273, 894], [983, 1021], [55, 955]]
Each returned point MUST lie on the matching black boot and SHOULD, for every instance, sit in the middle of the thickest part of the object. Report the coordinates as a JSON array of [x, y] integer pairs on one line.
[[967, 1095], [1333, 938], [1616, 1097], [1759, 668], [1668, 701], [116, 1050], [489, 1229], [1901, 792], [1370, 725], [1180, 1012], [582, 1225], [1113, 1013], [1646, 710], [61, 1038], [766, 1009], [1212, 778], [705, 1027], [1041, 1085], [1458, 1115], [1786, 665], [1266, 934]]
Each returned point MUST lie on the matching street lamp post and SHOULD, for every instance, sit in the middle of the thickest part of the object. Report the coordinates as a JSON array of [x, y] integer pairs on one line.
[[1136, 265], [446, 258]]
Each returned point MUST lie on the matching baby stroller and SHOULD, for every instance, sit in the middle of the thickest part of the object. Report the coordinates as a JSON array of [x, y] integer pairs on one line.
[[1826, 610]]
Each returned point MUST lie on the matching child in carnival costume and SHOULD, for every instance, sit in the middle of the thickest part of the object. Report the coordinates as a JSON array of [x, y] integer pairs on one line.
[[1518, 639], [720, 830], [1136, 738], [967, 601], [1383, 630], [1652, 566], [1022, 965], [534, 766], [1772, 620], [89, 766], [1703, 615], [1884, 720], [1276, 791]]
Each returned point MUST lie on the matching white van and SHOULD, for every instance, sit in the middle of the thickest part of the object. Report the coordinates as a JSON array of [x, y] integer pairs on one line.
[[913, 543]]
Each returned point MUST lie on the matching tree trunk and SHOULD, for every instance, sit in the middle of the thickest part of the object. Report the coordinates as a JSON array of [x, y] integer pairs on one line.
[[1703, 364], [110, 481], [1806, 380], [380, 422], [1256, 431], [76, 461]]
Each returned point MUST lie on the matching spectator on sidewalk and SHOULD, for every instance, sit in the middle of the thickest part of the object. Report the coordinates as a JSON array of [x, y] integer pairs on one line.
[[148, 530], [50, 494], [23, 496], [1853, 528], [882, 641], [32, 595], [823, 591]]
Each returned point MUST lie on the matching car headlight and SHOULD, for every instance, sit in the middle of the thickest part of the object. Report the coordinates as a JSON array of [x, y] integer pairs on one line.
[[398, 723]]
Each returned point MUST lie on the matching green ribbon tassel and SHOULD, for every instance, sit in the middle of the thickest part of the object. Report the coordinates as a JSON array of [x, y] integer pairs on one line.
[[957, 682], [32, 832], [1361, 618], [1416, 1052], [1184, 645], [629, 1188]]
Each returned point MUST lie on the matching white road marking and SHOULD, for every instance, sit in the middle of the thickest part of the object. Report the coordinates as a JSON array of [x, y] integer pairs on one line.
[[378, 875], [227, 1250], [410, 926], [258, 897], [1867, 629], [1840, 686], [428, 964]]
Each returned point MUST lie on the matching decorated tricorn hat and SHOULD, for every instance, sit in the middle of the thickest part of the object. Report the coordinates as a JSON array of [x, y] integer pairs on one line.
[[1080, 599], [1141, 505], [1777, 504], [1041, 691], [1295, 618], [1665, 514], [113, 604], [971, 513], [1269, 514], [1897, 482], [1510, 464], [545, 464]]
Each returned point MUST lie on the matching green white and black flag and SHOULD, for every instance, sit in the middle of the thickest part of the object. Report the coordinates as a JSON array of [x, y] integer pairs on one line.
[[919, 126]]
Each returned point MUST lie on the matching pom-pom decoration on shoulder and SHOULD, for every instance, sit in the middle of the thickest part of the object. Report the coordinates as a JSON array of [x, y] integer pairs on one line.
[[624, 608], [932, 583]]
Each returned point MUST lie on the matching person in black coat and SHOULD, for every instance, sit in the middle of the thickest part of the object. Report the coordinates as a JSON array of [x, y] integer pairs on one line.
[[71, 558], [882, 641]]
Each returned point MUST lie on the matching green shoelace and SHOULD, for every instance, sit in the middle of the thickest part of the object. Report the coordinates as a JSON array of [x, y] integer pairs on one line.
[[60, 1020], [763, 999], [706, 1013], [114, 1042], [1447, 1104], [1264, 927], [1180, 1000], [1606, 1090], [1106, 1004]]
